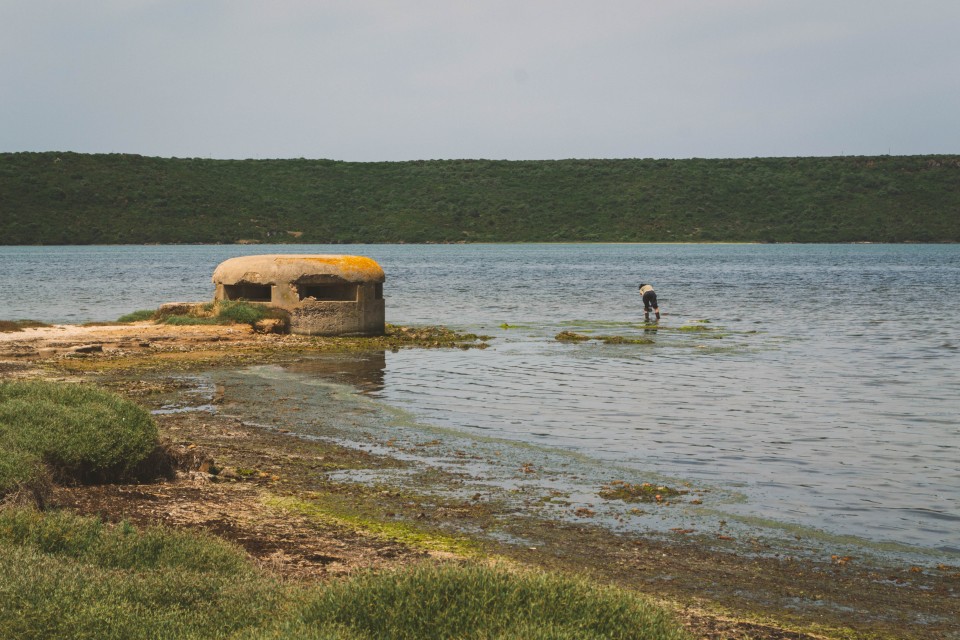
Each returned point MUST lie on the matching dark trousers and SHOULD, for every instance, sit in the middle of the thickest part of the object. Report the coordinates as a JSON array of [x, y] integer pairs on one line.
[[650, 301]]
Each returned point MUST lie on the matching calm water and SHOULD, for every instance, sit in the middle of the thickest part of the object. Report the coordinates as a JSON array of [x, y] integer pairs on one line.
[[826, 394]]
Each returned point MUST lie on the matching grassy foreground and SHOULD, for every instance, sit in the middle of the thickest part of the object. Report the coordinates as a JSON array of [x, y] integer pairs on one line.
[[71, 576], [67, 576]]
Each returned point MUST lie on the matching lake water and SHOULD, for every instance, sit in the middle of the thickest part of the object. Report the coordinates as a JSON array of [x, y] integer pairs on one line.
[[822, 392]]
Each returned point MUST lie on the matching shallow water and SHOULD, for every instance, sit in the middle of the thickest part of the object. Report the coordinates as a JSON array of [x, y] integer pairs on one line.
[[825, 393]]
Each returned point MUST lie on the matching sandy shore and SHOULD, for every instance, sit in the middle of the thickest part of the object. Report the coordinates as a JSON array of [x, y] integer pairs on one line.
[[49, 341]]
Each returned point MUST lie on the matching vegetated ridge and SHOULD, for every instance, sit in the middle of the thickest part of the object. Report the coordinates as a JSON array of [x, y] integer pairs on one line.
[[70, 198]]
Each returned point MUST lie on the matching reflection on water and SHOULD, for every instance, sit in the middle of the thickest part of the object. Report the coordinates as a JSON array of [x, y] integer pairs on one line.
[[365, 370]]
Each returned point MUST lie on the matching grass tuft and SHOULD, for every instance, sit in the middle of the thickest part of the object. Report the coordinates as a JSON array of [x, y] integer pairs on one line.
[[227, 312], [240, 312], [183, 320], [454, 601], [138, 316], [24, 479], [72, 432]]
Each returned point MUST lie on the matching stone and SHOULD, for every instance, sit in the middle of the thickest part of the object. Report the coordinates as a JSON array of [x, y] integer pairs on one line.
[[88, 348]]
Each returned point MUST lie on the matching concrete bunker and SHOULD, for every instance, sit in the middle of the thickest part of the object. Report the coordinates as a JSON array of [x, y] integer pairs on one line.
[[325, 295]]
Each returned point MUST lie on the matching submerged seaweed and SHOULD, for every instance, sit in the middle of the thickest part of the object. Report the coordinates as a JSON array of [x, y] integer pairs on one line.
[[644, 492]]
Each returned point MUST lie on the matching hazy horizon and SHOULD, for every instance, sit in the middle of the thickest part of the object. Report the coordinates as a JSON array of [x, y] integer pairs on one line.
[[370, 80]]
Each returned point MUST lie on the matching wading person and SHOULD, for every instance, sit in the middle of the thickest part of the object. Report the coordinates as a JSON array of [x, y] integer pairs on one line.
[[649, 301]]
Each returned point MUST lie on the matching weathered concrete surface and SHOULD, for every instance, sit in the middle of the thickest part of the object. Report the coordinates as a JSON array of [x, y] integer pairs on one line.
[[325, 294], [273, 268]]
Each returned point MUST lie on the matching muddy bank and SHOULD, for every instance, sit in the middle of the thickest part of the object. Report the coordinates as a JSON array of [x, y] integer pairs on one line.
[[278, 495]]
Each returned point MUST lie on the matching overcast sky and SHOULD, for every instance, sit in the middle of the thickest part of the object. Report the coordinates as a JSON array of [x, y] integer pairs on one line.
[[514, 79]]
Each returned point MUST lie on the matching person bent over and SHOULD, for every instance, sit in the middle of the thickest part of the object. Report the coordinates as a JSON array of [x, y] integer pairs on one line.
[[649, 301]]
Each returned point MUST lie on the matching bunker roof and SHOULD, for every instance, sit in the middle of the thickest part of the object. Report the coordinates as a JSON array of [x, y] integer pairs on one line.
[[271, 269]]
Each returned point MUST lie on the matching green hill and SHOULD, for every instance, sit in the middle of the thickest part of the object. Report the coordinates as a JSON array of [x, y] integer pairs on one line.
[[69, 198]]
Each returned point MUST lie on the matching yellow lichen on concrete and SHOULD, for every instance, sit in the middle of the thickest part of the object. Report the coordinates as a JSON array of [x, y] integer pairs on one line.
[[352, 268], [276, 268]]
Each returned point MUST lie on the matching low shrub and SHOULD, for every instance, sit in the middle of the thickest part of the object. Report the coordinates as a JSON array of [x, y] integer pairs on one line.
[[78, 433], [241, 312], [227, 312]]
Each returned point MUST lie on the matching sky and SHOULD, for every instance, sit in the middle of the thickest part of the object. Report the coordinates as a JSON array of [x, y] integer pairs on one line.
[[381, 80]]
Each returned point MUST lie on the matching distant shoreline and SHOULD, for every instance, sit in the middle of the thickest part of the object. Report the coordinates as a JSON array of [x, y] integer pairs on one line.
[[63, 198], [426, 244]]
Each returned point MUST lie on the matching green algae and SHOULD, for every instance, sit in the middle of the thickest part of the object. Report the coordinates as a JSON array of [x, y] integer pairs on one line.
[[585, 331], [430, 336], [570, 336], [320, 509], [644, 492], [623, 340]]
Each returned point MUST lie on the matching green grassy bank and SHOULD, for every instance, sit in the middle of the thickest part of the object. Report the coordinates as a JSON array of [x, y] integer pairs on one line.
[[69, 198], [66, 576]]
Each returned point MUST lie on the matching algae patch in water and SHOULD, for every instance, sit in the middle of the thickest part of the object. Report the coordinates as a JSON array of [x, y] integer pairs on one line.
[[570, 336], [623, 340], [644, 492], [699, 327]]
